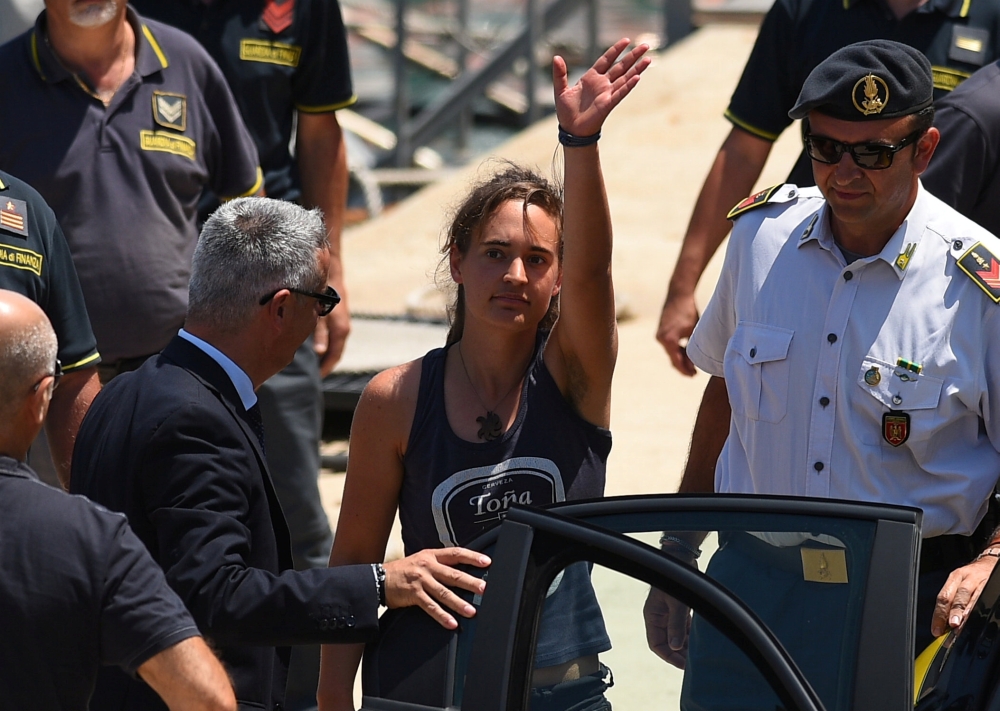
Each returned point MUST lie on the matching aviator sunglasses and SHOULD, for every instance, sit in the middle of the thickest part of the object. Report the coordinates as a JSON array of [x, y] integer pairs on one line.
[[327, 300], [870, 155]]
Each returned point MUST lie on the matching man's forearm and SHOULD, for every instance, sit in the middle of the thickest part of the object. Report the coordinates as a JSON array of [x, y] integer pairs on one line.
[[188, 676], [711, 428], [69, 405], [322, 159], [737, 167]]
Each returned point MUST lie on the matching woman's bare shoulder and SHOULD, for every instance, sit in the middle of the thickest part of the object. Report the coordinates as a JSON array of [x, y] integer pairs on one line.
[[401, 381]]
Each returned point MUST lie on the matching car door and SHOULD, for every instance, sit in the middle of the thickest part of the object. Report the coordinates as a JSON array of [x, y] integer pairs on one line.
[[489, 663]]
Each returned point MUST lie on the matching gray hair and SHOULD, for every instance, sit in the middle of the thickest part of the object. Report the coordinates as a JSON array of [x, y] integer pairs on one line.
[[248, 248], [26, 353]]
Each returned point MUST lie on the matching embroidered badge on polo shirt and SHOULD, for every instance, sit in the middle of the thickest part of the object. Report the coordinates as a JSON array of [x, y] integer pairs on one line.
[[19, 258], [969, 45], [257, 50], [278, 15], [170, 110], [984, 269], [14, 216]]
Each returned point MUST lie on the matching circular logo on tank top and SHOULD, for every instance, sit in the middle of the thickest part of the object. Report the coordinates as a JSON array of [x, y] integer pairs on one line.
[[470, 501]]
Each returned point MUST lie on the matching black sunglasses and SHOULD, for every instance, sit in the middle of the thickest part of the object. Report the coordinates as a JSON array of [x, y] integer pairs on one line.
[[327, 300], [868, 155], [56, 374]]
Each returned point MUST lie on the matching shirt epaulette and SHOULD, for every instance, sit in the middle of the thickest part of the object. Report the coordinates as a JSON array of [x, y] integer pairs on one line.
[[981, 264], [775, 194]]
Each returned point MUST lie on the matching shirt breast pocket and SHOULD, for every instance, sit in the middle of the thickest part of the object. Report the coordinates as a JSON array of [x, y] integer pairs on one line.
[[891, 387], [756, 369]]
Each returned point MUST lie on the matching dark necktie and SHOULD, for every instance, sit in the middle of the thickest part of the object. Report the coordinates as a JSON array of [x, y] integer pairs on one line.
[[256, 423]]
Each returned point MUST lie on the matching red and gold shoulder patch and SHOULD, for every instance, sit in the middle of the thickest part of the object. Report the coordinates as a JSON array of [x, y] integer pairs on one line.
[[755, 200], [983, 267]]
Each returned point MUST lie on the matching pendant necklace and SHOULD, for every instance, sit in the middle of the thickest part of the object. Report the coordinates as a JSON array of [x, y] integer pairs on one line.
[[490, 427]]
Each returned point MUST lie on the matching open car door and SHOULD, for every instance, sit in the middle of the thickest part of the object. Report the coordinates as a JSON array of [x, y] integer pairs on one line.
[[855, 653]]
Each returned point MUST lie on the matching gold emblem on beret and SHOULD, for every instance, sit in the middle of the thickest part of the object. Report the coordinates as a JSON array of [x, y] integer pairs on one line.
[[876, 95]]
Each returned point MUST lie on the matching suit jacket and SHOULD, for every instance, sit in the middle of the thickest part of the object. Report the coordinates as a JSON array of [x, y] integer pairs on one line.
[[169, 446]]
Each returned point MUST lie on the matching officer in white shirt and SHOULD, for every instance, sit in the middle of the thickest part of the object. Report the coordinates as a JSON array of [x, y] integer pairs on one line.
[[853, 337]]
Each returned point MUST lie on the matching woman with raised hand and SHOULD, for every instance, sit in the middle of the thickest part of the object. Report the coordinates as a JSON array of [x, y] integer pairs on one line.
[[515, 408]]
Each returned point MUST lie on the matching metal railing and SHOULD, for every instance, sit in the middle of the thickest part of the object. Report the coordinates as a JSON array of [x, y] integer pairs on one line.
[[453, 105]]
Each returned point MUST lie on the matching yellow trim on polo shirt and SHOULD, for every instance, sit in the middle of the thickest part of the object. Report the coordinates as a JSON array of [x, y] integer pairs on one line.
[[760, 133], [3, 185], [156, 47], [258, 184], [80, 363], [34, 56], [965, 8], [328, 108]]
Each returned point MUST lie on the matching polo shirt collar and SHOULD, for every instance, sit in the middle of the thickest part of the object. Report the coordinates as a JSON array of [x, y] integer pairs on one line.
[[897, 251], [950, 8], [11, 467], [150, 57]]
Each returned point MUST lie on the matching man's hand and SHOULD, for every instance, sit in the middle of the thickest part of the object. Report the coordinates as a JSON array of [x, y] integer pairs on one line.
[[960, 593], [423, 579], [331, 336], [667, 625], [677, 322]]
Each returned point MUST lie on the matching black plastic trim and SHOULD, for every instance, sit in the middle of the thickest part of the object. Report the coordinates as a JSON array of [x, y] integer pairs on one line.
[[885, 647]]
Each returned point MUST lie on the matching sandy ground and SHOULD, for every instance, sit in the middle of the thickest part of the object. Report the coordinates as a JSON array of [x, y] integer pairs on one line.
[[656, 150]]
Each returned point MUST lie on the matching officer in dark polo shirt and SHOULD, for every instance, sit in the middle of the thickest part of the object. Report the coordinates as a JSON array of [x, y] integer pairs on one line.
[[121, 124], [78, 589], [35, 262], [287, 63], [965, 170], [957, 36]]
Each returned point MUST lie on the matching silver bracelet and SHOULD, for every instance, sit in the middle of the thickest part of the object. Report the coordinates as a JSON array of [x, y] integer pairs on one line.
[[993, 551], [667, 539], [379, 572]]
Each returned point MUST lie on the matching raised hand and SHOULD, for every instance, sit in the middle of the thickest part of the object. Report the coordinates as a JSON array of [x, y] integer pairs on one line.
[[583, 107]]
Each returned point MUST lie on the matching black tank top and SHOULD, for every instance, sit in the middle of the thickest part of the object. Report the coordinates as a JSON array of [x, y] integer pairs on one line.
[[453, 490]]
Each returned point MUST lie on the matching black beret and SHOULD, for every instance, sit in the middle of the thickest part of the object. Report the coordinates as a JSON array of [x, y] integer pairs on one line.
[[877, 79]]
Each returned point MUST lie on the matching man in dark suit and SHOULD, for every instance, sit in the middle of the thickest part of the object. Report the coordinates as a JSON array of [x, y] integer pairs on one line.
[[178, 446]]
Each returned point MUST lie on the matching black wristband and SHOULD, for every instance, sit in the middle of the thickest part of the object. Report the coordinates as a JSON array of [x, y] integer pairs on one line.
[[380, 582], [570, 141]]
